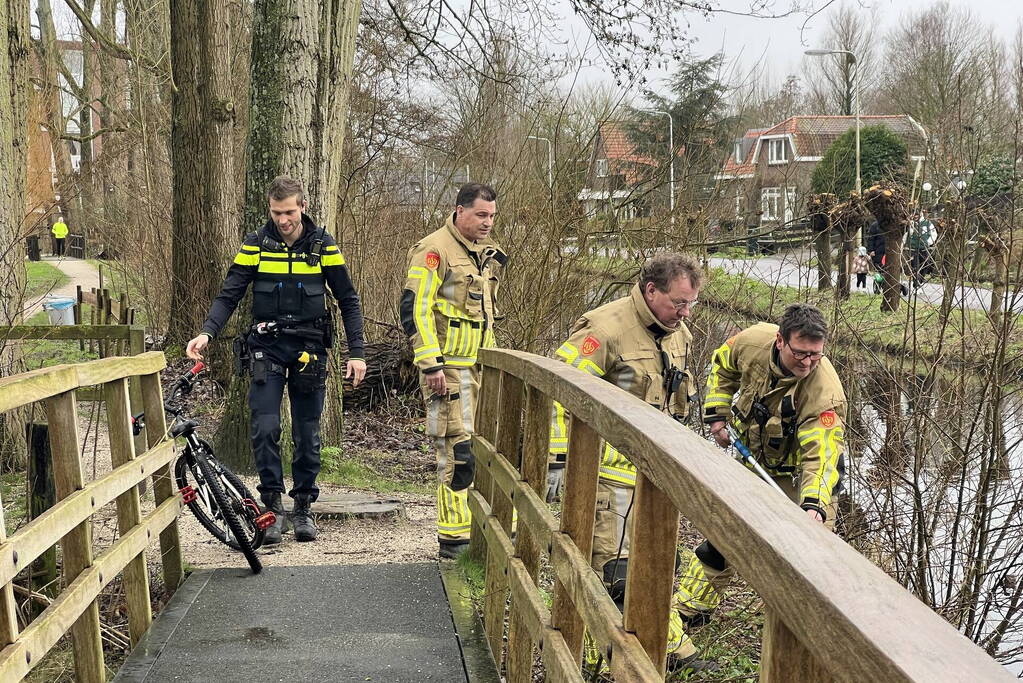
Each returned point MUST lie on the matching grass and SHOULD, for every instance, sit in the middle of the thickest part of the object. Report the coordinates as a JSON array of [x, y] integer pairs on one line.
[[44, 353], [12, 492], [42, 277], [336, 468]]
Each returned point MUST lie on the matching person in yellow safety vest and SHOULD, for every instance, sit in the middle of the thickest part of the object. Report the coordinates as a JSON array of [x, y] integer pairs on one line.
[[640, 344], [59, 231], [448, 308], [774, 386]]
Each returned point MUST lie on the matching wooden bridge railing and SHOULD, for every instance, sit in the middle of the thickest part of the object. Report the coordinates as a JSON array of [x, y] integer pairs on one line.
[[68, 521], [830, 615]]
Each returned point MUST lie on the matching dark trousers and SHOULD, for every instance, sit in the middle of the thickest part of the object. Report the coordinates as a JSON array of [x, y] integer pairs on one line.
[[60, 246], [306, 409], [861, 280]]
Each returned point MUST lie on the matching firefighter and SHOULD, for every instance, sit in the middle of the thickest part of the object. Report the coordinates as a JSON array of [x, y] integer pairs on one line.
[[448, 311], [774, 386], [640, 344], [291, 263]]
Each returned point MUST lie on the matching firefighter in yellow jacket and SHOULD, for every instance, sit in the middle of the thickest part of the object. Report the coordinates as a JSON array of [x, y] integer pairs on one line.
[[640, 344], [774, 386], [448, 310]]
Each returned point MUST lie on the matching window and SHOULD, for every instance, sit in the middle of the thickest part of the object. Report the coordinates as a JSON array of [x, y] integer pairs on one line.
[[790, 204], [602, 168], [737, 154], [776, 152], [769, 200]]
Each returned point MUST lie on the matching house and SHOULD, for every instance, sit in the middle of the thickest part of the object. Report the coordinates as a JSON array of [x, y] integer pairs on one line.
[[769, 169], [618, 177]]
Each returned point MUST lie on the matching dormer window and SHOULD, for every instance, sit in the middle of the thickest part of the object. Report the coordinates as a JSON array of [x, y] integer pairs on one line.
[[777, 152], [602, 168], [737, 154]]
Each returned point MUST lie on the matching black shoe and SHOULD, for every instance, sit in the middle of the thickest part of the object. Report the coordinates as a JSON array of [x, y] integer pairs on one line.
[[451, 550], [690, 664], [696, 620], [273, 533], [302, 519]]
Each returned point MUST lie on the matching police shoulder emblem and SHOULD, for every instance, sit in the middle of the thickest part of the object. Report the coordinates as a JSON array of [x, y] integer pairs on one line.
[[590, 344], [432, 260], [829, 418]]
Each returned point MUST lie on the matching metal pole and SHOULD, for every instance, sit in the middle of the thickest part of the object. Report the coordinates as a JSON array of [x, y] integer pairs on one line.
[[671, 159], [859, 188]]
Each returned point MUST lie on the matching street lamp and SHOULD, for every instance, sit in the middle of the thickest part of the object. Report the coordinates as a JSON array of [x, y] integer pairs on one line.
[[550, 159], [852, 60], [671, 158]]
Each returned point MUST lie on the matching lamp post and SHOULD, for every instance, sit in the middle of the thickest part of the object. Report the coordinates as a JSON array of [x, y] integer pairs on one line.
[[550, 159], [671, 159]]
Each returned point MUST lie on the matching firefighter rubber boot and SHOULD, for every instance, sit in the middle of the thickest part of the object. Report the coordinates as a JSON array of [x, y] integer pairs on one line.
[[302, 519], [272, 535], [690, 665]]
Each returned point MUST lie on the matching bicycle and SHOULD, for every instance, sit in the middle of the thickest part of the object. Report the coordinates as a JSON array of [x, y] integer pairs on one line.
[[216, 496]]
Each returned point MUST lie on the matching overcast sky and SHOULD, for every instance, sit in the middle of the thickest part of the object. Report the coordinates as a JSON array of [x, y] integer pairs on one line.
[[778, 44]]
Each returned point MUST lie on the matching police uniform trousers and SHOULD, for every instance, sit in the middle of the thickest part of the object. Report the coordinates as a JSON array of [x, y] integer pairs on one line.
[[708, 573], [449, 422], [306, 398]]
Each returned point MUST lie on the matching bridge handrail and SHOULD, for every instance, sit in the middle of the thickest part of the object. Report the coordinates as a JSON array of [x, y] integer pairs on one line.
[[829, 613], [75, 609]]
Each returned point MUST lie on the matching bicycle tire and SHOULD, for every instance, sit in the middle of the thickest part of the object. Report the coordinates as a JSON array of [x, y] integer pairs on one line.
[[199, 511], [230, 518]]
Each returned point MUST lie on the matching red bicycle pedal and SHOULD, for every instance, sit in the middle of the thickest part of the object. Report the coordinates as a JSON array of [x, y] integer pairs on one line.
[[265, 520], [188, 494]]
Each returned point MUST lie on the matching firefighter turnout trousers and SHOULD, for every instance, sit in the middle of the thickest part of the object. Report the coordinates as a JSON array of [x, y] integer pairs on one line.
[[274, 365], [449, 423], [708, 573]]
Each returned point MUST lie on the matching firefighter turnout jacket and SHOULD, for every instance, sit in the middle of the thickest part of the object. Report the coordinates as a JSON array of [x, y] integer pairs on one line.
[[625, 344], [448, 305], [790, 424], [289, 284]]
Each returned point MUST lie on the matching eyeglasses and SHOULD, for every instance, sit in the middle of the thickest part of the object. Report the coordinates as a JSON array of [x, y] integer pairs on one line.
[[683, 304], [804, 355]]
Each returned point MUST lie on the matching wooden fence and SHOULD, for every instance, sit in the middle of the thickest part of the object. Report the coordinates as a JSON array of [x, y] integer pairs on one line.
[[830, 615], [68, 522]]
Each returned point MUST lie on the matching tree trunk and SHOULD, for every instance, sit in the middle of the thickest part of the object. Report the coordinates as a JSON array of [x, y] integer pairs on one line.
[[14, 91], [844, 259], [201, 153], [302, 55], [819, 207], [86, 171]]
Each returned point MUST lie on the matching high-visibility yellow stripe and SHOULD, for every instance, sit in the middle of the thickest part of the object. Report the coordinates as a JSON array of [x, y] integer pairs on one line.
[[568, 353], [247, 259], [275, 267], [331, 248], [303, 268], [329, 260], [250, 247], [422, 311], [829, 445]]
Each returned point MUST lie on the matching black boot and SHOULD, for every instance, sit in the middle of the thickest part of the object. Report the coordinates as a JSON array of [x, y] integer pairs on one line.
[[302, 518], [451, 550], [272, 535], [691, 664]]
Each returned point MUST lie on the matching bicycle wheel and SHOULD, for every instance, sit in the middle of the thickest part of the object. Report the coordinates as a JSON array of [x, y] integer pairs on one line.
[[225, 516]]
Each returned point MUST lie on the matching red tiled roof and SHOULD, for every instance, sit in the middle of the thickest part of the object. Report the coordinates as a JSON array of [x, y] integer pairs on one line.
[[620, 151], [744, 166]]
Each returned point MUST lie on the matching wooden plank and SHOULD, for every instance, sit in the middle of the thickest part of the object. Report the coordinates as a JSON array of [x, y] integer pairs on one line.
[[534, 473], [129, 510], [529, 607], [622, 650], [62, 416], [558, 661], [578, 513], [8, 608], [137, 347], [790, 561], [651, 576], [35, 537], [784, 659], [163, 480], [486, 426], [496, 595], [17, 659]]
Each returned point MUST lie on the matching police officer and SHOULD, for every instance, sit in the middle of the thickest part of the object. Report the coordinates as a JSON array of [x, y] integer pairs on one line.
[[290, 262], [448, 310], [640, 344], [59, 231], [773, 384]]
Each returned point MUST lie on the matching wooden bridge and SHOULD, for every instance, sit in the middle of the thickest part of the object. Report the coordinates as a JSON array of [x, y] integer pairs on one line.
[[820, 595]]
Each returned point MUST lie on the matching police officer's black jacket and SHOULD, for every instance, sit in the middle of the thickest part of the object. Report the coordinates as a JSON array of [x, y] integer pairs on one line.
[[289, 283]]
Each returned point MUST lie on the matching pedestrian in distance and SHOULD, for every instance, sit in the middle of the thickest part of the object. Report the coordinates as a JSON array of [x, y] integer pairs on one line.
[[861, 266], [59, 231], [291, 264], [775, 387], [448, 310], [625, 342]]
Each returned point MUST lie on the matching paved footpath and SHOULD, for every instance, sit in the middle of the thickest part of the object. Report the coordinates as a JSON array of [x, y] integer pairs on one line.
[[79, 272]]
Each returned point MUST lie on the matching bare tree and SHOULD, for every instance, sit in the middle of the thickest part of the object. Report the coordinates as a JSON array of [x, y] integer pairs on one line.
[[832, 80]]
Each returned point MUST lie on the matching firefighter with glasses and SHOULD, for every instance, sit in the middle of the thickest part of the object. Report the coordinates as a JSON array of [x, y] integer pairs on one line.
[[773, 385], [640, 344], [448, 309]]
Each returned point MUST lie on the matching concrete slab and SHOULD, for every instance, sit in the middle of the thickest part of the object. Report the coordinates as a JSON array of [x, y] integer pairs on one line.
[[346, 505], [388, 623]]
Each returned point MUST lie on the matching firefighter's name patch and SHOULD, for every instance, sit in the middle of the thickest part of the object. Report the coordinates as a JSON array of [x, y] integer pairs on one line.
[[590, 344], [432, 260], [829, 418]]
